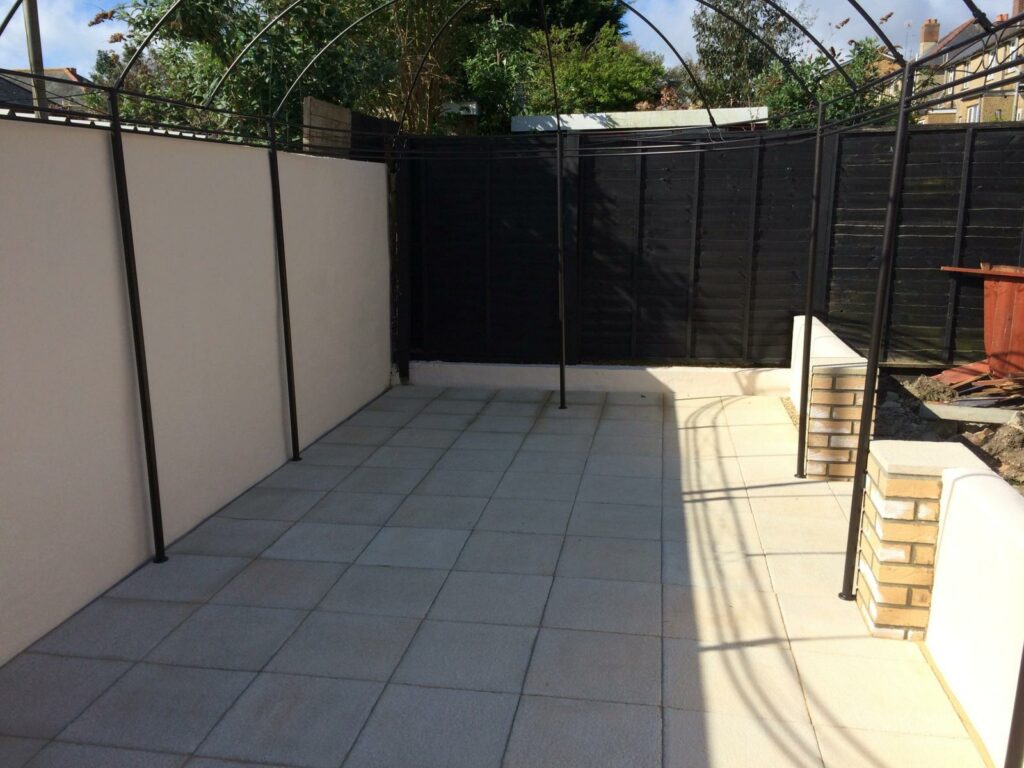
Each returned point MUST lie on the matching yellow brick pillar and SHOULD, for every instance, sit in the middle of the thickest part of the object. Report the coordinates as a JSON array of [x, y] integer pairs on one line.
[[900, 532], [833, 420]]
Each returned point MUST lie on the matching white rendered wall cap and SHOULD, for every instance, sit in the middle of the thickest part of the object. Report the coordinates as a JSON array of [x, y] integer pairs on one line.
[[911, 457]]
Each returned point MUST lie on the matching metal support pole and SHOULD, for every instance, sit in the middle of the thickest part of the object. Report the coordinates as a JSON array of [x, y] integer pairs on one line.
[[561, 270], [138, 337], [35, 55], [878, 322], [810, 277], [282, 280], [1015, 744]]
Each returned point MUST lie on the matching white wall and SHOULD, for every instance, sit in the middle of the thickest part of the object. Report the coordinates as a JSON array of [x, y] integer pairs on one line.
[[335, 225], [74, 515], [976, 628], [826, 349], [72, 488]]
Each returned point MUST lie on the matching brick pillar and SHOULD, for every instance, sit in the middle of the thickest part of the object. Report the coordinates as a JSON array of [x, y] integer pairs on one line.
[[900, 530], [833, 423]]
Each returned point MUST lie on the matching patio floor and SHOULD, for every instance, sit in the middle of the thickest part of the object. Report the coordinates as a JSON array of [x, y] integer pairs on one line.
[[471, 578]]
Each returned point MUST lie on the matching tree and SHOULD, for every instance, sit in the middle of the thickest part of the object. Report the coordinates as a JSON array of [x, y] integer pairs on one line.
[[789, 105], [730, 59], [497, 71]]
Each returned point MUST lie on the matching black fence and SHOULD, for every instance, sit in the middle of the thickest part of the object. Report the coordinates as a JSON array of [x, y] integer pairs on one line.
[[699, 256]]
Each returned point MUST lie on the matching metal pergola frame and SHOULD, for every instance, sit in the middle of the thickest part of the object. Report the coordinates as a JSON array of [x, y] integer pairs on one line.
[[904, 108]]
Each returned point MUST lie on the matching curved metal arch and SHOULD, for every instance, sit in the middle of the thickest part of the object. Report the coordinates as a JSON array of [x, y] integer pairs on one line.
[[234, 62], [326, 47], [814, 40], [9, 16], [979, 15], [145, 42]]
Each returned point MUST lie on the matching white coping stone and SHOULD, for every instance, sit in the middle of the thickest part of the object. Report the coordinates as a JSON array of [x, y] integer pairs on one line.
[[930, 459]]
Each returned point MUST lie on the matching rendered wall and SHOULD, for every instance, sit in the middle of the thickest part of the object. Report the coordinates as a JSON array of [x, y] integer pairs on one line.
[[74, 512], [976, 628], [335, 224]]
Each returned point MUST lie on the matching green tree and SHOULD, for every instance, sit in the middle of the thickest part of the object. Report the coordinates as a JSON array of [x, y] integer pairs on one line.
[[730, 59], [497, 72], [789, 106]]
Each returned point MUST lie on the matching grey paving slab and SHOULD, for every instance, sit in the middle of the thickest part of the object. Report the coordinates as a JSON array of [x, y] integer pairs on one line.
[[537, 485], [435, 728], [381, 418], [493, 423], [596, 666], [646, 399], [584, 734], [579, 397], [404, 456], [228, 536], [621, 490], [439, 512], [512, 408], [399, 404], [587, 557], [345, 645], [424, 438], [210, 762], [468, 393], [350, 434], [385, 591], [414, 548], [489, 441], [513, 395], [627, 521], [442, 421], [62, 755], [548, 426], [525, 516], [271, 504], [183, 578], [280, 584], [337, 454], [479, 657], [166, 709], [115, 629], [349, 508], [495, 552], [620, 445], [628, 607], [549, 461], [298, 721], [459, 482], [15, 752], [633, 412], [623, 428], [306, 477], [382, 480], [574, 411], [420, 391], [228, 637], [624, 465], [487, 461], [558, 443], [496, 598], [39, 695], [455, 406], [324, 542]]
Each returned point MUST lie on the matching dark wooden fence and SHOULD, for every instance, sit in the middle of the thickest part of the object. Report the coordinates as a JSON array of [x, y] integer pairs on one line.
[[698, 256]]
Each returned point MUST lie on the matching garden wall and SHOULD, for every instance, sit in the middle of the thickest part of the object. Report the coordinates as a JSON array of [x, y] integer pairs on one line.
[[74, 515]]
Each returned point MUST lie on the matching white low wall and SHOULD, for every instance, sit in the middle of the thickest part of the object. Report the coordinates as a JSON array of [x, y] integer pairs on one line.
[[976, 628], [826, 349], [74, 513], [682, 381]]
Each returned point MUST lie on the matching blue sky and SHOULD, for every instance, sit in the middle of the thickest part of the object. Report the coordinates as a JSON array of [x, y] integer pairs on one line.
[[69, 41]]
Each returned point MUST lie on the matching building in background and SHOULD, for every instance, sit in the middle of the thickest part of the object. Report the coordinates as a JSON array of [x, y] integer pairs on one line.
[[1001, 99], [733, 117], [16, 90]]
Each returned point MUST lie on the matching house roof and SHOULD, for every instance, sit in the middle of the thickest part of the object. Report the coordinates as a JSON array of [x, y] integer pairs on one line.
[[17, 88], [964, 31]]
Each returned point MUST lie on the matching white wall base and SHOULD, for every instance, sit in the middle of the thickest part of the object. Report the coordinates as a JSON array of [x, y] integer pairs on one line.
[[682, 381]]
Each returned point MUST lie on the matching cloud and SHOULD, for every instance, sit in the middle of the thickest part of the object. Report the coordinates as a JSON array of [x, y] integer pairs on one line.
[[67, 38]]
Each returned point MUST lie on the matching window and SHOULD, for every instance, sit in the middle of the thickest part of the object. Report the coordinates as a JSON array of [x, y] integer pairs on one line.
[[974, 113]]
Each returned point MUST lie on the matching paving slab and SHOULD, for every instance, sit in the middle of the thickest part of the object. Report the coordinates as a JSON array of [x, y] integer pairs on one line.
[[280, 584], [385, 591], [493, 598]]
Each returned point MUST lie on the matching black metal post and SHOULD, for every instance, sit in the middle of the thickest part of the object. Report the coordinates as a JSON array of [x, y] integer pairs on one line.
[[138, 337], [282, 279], [1015, 743], [878, 322], [958, 243], [561, 270], [748, 293], [691, 300], [810, 277]]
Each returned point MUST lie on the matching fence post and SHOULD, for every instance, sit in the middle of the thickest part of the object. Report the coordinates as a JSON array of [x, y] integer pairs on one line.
[[637, 256], [878, 322], [571, 211], [400, 202], [282, 275], [811, 278], [958, 242], [138, 337], [559, 152], [755, 195], [698, 171]]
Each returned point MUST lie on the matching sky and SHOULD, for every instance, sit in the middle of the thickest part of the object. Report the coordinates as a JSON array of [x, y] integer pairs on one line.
[[69, 41]]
